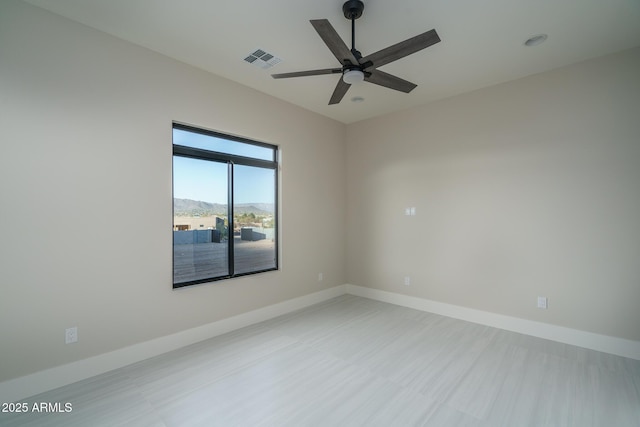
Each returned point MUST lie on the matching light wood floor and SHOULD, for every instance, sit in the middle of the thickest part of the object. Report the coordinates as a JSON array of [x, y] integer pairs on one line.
[[357, 362]]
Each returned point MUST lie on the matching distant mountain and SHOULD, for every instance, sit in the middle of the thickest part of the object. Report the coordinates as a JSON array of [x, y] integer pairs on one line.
[[195, 207], [188, 207], [262, 208]]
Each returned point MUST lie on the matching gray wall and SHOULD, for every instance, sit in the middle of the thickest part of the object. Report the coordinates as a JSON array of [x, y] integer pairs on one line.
[[525, 189], [86, 143], [192, 236]]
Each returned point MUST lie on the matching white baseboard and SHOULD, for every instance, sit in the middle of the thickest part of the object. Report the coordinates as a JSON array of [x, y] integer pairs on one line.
[[604, 343], [29, 385], [39, 382]]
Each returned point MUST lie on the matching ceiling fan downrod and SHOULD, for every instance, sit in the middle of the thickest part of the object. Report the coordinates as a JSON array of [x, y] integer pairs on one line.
[[352, 10]]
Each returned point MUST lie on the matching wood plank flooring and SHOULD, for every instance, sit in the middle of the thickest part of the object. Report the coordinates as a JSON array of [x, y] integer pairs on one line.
[[207, 260], [357, 362]]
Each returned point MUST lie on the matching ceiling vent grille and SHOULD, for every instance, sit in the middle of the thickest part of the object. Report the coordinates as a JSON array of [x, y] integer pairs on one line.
[[262, 59]]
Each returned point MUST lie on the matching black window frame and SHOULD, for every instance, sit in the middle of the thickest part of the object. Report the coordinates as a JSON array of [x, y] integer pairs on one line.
[[230, 160]]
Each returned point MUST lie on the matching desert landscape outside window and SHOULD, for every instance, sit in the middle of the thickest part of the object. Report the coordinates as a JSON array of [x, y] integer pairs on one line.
[[224, 206]]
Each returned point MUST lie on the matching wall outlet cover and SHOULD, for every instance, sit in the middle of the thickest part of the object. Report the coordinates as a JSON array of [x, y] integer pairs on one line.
[[71, 335]]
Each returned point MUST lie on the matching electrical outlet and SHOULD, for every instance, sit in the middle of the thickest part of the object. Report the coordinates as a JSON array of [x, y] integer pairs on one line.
[[320, 277], [407, 281], [542, 303], [71, 335]]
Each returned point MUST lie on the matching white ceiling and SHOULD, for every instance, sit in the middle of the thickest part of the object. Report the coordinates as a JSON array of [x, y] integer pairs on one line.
[[482, 41]]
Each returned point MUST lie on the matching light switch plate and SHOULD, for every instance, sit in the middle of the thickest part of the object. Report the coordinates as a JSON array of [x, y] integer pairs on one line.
[[71, 335], [542, 302]]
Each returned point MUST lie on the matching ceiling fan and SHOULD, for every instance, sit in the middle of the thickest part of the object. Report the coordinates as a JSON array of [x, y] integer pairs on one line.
[[356, 68]]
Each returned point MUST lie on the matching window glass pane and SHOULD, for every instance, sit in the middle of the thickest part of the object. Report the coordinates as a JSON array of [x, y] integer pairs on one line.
[[221, 145], [207, 244], [254, 212], [200, 220]]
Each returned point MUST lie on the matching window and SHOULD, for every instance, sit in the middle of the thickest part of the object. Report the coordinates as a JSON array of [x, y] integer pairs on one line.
[[225, 202]]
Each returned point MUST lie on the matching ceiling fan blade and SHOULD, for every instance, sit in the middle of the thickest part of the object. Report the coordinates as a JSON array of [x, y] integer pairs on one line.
[[392, 82], [333, 41], [400, 50], [307, 73], [339, 92]]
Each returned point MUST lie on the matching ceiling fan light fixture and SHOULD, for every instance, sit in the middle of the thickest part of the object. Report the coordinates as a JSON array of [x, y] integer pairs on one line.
[[353, 76]]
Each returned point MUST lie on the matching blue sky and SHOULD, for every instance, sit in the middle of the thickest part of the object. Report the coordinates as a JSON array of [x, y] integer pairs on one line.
[[207, 181], [221, 145]]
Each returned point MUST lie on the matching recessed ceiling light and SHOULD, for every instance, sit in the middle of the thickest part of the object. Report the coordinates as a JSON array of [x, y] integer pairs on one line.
[[535, 40], [357, 99]]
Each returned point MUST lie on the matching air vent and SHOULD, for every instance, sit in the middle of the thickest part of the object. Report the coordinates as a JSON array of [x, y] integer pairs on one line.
[[262, 59]]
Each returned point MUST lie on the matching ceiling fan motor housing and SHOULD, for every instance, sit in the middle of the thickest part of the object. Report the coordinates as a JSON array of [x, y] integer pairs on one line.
[[352, 9]]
